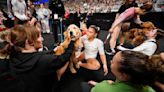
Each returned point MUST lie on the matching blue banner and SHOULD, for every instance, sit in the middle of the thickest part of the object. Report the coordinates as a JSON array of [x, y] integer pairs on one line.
[[41, 1]]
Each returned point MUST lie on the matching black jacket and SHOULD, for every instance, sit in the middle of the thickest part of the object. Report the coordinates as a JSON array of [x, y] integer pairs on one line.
[[57, 7], [36, 72]]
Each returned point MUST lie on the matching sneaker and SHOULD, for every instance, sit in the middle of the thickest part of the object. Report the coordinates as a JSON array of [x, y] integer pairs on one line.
[[113, 50], [109, 52]]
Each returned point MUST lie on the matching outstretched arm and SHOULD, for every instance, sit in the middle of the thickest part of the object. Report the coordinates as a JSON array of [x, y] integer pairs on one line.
[[103, 59], [60, 60], [137, 20]]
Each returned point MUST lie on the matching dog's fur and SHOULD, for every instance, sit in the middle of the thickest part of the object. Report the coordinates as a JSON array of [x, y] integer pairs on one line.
[[136, 36], [72, 33]]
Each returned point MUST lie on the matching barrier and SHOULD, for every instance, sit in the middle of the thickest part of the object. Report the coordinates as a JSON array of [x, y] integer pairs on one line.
[[105, 20]]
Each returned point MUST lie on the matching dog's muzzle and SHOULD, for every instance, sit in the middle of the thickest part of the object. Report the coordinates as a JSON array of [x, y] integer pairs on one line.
[[73, 37], [71, 33]]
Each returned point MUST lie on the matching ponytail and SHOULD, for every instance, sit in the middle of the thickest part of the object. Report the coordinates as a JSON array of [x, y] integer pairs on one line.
[[9, 50], [156, 64]]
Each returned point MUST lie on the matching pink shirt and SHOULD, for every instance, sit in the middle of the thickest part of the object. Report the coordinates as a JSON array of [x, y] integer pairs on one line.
[[128, 14]]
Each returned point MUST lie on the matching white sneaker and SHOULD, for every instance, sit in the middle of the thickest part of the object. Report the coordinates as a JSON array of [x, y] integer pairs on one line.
[[109, 53]]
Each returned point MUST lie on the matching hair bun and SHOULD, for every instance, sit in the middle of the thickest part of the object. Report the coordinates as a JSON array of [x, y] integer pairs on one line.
[[98, 29]]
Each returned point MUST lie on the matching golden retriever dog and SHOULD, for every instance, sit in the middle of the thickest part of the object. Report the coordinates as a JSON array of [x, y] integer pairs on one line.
[[136, 36], [133, 36], [72, 33]]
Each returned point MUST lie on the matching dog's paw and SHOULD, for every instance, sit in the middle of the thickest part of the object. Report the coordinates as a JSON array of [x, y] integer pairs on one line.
[[77, 65]]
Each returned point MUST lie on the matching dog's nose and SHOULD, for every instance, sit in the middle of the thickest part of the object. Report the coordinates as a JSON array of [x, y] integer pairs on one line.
[[71, 33]]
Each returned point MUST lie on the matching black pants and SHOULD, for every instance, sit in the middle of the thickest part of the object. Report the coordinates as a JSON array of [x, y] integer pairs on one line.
[[55, 30]]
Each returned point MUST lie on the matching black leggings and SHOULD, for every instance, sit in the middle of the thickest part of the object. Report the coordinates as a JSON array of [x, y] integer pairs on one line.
[[96, 75]]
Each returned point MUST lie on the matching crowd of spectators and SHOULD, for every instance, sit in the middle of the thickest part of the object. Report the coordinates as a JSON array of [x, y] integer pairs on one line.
[[103, 6]]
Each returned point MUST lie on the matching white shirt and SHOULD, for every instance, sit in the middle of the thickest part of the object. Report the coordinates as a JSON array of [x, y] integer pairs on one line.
[[42, 12], [92, 48], [19, 9], [148, 47]]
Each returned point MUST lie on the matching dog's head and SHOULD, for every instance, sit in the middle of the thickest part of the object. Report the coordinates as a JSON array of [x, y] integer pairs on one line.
[[73, 32], [131, 33]]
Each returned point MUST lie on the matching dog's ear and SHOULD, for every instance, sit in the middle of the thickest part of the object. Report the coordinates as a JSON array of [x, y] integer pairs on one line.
[[139, 39], [130, 34], [66, 34], [79, 32], [66, 42]]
